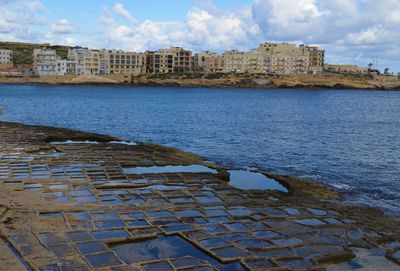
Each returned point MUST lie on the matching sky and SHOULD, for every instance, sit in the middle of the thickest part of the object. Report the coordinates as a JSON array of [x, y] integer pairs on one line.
[[351, 31]]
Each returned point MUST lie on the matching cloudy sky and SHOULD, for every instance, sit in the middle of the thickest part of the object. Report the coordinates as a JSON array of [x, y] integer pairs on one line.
[[351, 31]]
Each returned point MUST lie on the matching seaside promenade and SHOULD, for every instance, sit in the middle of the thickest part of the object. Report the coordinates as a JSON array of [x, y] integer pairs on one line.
[[77, 201]]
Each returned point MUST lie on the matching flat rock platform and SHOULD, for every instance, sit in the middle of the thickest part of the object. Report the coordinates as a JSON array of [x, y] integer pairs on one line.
[[68, 202]]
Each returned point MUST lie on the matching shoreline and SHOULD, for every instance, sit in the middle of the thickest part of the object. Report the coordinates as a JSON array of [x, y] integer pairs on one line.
[[225, 81], [57, 198]]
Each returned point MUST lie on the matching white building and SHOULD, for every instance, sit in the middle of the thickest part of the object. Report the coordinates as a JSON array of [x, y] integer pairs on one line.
[[44, 62], [6, 58]]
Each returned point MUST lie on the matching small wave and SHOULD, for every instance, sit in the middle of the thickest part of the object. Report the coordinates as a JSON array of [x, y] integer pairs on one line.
[[341, 186]]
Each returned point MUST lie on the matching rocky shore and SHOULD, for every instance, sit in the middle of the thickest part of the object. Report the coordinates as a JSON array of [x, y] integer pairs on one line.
[[71, 200], [220, 80]]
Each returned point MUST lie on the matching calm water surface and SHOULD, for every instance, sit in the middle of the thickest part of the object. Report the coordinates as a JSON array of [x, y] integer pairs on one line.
[[349, 139]]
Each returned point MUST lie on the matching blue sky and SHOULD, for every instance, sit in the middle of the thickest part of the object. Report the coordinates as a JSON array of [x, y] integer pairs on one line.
[[351, 31]]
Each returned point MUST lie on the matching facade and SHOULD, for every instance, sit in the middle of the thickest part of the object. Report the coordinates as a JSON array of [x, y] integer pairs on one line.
[[159, 62], [173, 59], [6, 59], [182, 59], [61, 67], [316, 58], [285, 58], [244, 62], [126, 63], [44, 62], [77, 55], [86, 61], [208, 62]]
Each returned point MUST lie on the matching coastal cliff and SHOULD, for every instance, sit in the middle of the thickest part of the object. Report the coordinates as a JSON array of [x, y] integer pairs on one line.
[[222, 80]]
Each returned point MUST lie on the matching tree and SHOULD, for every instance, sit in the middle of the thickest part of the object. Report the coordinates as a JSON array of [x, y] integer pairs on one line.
[[387, 71], [203, 59], [370, 66]]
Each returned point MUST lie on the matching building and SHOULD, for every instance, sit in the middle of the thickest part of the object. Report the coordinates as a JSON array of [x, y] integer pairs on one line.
[[285, 58], [159, 62], [173, 59], [77, 55], [182, 59], [316, 59], [346, 69], [45, 62], [61, 67], [208, 62], [6, 59], [87, 61], [244, 62], [127, 63]]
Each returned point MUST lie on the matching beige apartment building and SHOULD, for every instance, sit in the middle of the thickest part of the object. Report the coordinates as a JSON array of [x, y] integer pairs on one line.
[[285, 58], [173, 59], [244, 62], [127, 63], [45, 62], [87, 61], [96, 62], [208, 62], [182, 59], [6, 59], [159, 62]]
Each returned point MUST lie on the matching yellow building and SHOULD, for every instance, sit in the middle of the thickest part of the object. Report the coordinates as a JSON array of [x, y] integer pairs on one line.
[[285, 58], [244, 62], [127, 63], [208, 62]]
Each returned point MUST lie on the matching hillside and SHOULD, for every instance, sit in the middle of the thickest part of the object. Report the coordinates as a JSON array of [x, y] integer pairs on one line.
[[23, 51]]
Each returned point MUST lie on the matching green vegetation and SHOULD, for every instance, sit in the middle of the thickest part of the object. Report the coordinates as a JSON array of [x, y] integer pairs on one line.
[[23, 51]]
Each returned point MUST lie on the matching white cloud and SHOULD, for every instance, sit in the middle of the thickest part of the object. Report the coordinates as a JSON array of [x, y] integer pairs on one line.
[[62, 27], [119, 9]]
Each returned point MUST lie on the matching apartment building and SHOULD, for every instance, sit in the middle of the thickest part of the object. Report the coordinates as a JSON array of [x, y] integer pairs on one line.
[[126, 63], [45, 62], [173, 59], [182, 59], [208, 62], [6, 59], [86, 61], [285, 58], [161, 61], [244, 62], [77, 55]]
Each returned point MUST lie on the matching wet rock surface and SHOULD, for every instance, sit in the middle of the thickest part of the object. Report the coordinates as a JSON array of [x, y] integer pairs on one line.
[[73, 207]]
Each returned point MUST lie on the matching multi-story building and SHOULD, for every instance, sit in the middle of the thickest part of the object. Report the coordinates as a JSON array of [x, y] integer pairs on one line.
[[44, 62], [244, 62], [94, 62], [71, 67], [127, 63], [78, 55], [61, 67], [284, 58], [182, 59], [159, 62], [174, 59], [208, 62], [316, 59], [6, 59]]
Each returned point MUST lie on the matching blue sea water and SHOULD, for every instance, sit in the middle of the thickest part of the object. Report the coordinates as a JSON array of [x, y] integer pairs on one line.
[[346, 138]]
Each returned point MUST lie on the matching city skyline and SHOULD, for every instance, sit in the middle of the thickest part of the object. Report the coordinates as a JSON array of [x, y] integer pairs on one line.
[[352, 32]]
